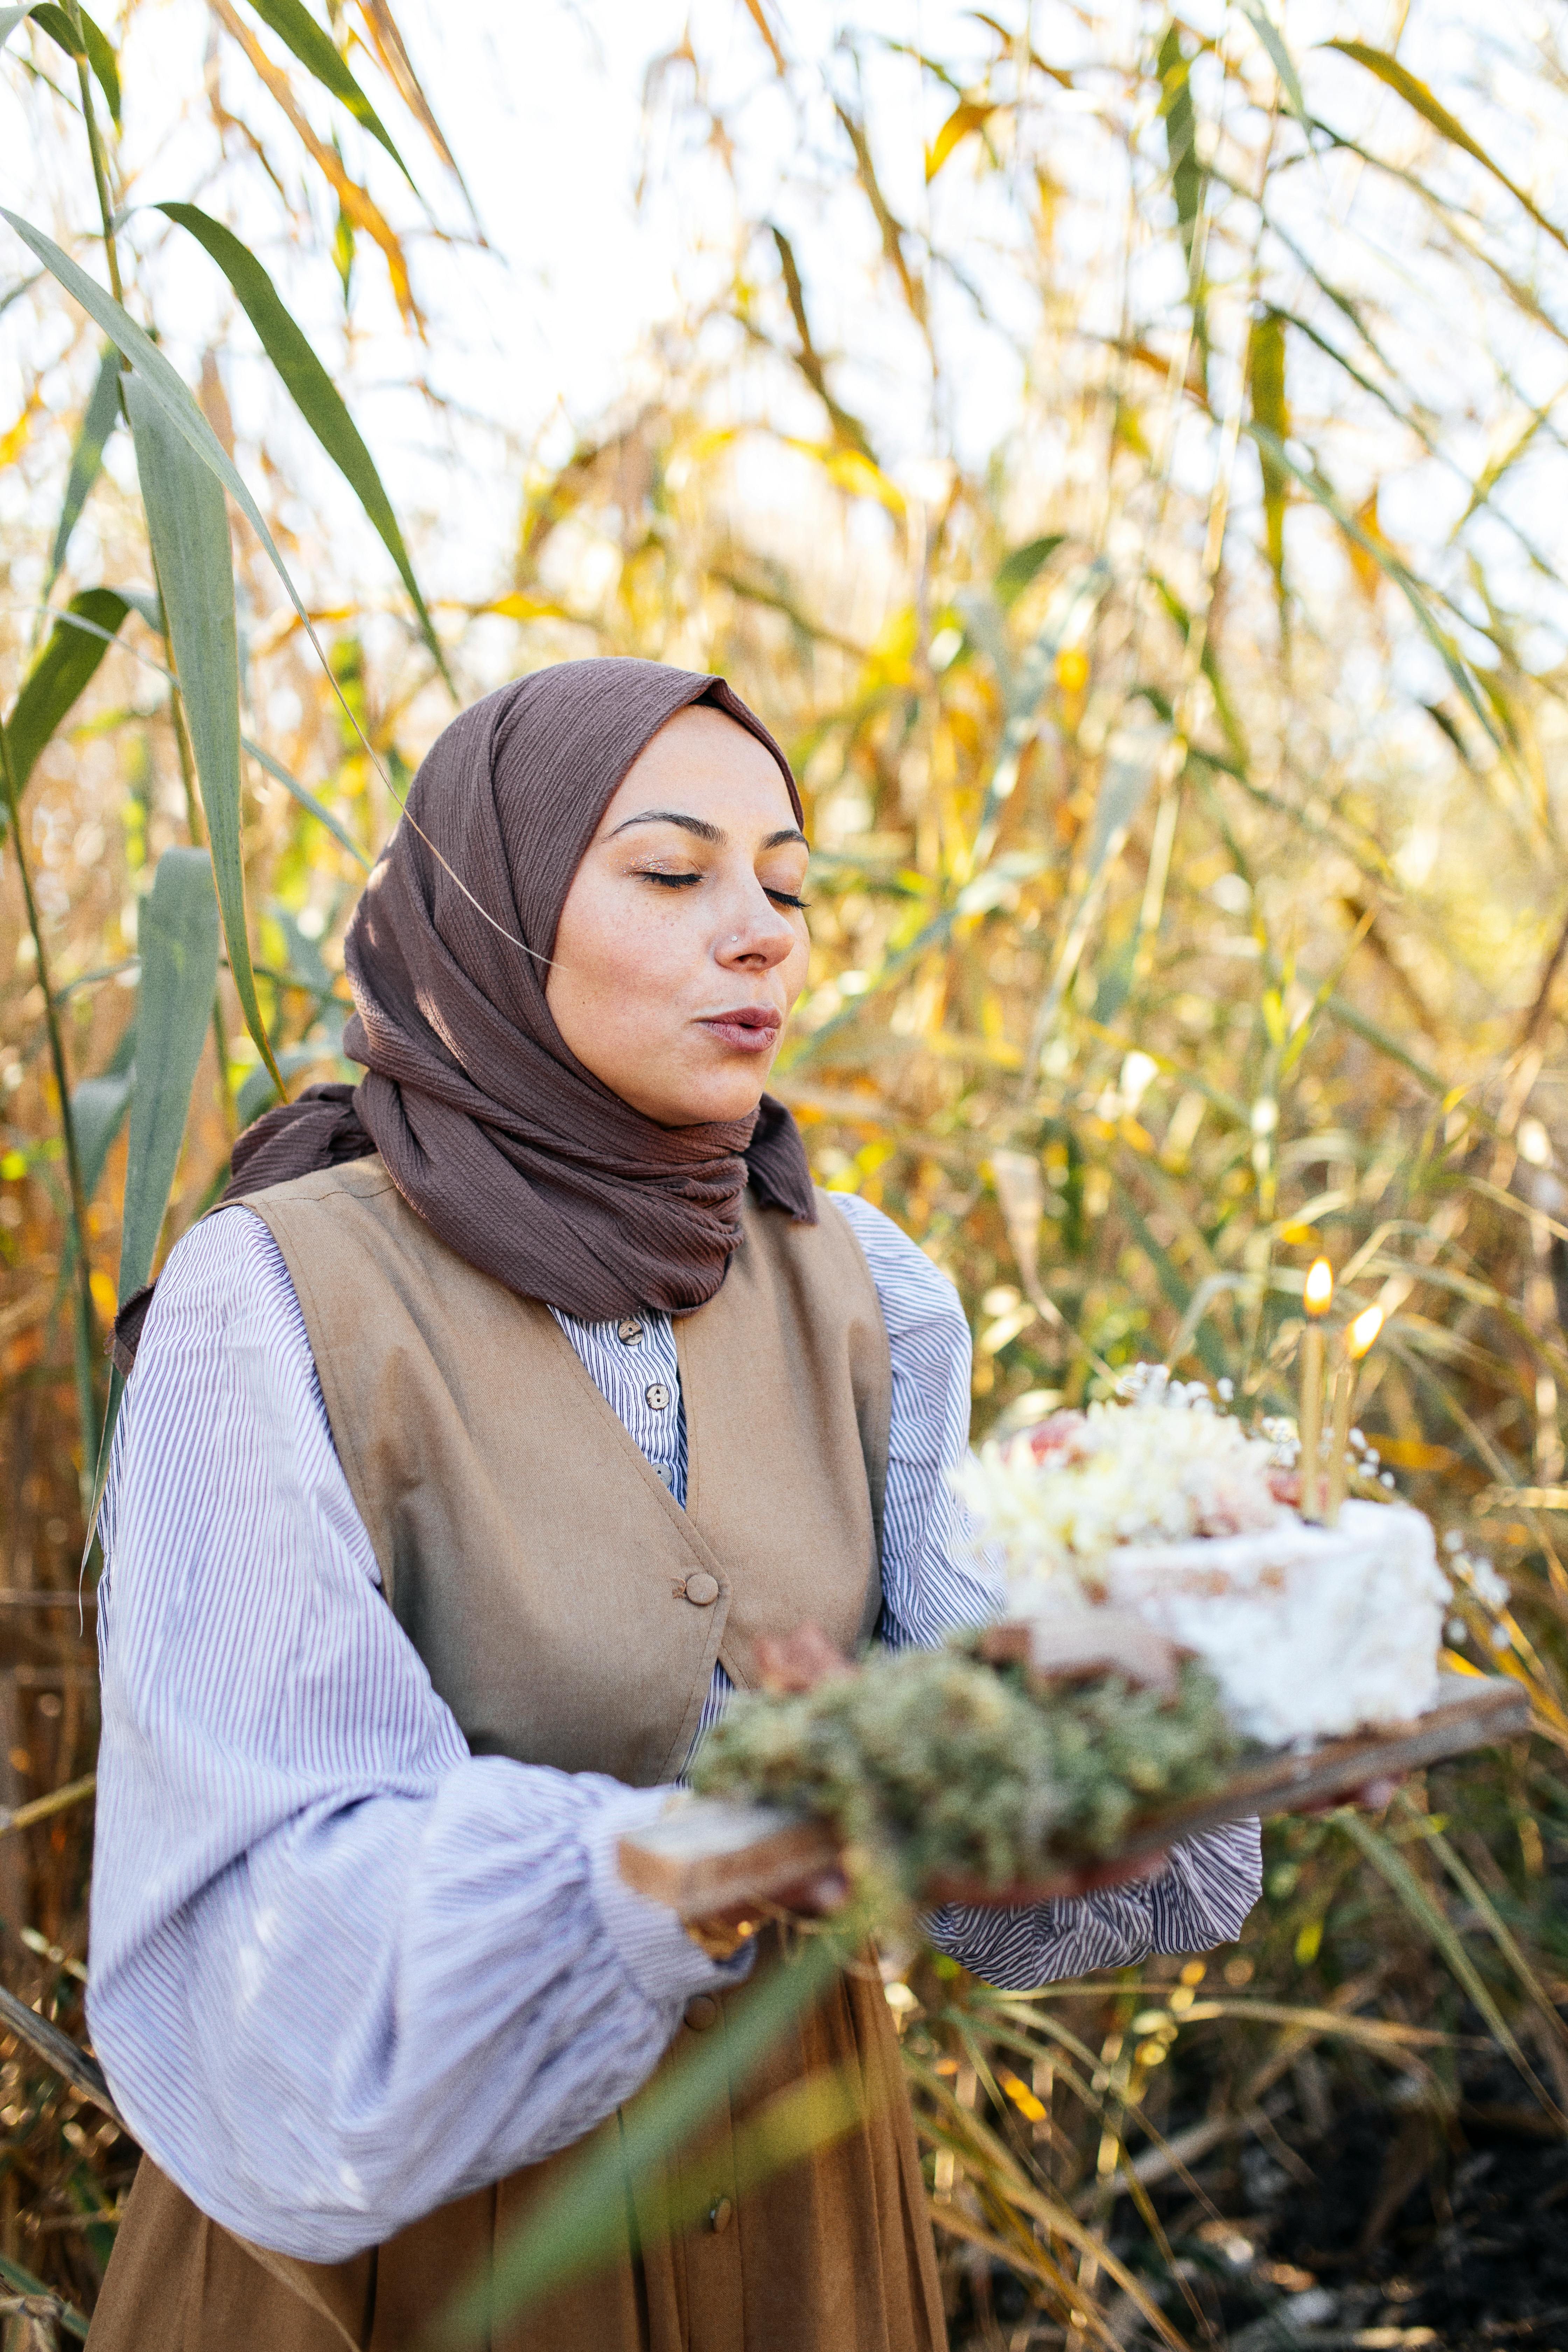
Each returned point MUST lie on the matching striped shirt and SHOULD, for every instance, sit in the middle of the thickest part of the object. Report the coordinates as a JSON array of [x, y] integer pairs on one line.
[[343, 1970]]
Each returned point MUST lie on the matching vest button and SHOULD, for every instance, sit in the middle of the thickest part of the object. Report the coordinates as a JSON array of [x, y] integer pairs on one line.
[[720, 2218], [656, 1395], [701, 2011], [702, 1589], [628, 1331]]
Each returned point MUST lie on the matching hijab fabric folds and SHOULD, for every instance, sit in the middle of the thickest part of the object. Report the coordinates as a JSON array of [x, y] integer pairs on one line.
[[524, 1161]]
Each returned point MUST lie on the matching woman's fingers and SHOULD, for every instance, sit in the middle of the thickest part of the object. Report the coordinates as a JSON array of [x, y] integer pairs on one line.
[[1372, 1797], [813, 1897]]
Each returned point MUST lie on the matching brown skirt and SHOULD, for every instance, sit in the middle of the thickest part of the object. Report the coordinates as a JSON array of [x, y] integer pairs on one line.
[[832, 2254]]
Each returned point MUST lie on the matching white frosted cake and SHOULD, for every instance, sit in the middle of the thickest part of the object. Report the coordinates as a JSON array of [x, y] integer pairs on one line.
[[1162, 1506]]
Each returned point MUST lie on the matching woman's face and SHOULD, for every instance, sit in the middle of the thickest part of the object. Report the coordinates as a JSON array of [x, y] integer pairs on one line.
[[682, 946]]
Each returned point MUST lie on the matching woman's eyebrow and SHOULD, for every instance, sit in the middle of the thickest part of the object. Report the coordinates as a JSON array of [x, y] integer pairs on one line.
[[697, 825], [701, 828]]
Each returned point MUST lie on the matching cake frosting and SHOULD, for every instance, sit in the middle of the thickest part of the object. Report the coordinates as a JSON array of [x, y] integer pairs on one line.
[[1161, 1505]]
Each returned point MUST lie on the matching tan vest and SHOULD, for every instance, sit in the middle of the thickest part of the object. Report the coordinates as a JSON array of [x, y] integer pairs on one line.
[[532, 1554], [571, 1613]]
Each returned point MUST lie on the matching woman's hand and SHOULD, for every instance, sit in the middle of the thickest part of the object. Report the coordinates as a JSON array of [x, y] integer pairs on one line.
[[813, 1895], [1372, 1797]]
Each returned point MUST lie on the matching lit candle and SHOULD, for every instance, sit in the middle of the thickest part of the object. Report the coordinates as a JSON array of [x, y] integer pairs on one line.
[[1357, 1339], [1316, 1295]]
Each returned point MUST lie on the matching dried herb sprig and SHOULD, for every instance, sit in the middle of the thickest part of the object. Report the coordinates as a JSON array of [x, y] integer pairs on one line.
[[937, 1766]]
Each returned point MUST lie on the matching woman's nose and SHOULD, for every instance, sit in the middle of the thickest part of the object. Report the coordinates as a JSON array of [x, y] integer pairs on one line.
[[757, 933]]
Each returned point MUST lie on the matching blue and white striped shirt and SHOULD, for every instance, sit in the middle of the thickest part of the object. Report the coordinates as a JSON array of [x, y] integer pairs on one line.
[[343, 1970]]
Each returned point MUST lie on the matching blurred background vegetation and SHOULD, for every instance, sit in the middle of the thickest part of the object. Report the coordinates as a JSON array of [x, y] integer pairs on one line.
[[1122, 455]]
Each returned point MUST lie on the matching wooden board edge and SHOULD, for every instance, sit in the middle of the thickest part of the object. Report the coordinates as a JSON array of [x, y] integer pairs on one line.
[[1288, 1783], [704, 1855], [665, 1864]]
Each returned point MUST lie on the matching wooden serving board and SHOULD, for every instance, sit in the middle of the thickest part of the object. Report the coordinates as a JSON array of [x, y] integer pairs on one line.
[[703, 1854]]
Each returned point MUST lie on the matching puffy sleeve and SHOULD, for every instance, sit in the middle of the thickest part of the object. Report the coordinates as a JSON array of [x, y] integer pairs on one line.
[[929, 1584], [342, 1969]]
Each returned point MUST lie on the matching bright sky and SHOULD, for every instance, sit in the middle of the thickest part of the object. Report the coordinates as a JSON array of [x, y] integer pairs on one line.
[[542, 101]]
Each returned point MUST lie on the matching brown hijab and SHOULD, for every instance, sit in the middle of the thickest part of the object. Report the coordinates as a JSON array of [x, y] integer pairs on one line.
[[492, 1131]]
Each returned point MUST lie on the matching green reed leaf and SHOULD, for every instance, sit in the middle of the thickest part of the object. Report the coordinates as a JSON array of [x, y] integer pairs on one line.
[[1279, 58], [1387, 1858], [1416, 94], [98, 52], [1349, 1017], [1018, 569], [1273, 447], [1180, 119], [189, 526], [173, 398], [258, 1092], [583, 2220], [98, 423], [1266, 389], [299, 31], [312, 392], [98, 1112], [11, 17], [67, 663], [100, 57], [1177, 1292], [23, 2282], [1496, 1926], [97, 1108], [308, 801], [178, 937]]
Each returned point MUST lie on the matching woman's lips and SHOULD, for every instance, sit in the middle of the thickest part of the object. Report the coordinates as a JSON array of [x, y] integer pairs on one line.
[[750, 1029]]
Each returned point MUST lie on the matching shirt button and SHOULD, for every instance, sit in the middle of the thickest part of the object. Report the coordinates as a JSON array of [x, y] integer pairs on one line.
[[701, 2011], [628, 1331], [665, 1474], [702, 1589], [656, 1395], [719, 2219]]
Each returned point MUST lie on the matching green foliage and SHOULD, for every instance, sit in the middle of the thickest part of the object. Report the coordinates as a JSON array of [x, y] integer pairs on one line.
[[938, 1767], [99, 420], [1415, 93], [94, 48], [1279, 58], [1017, 569], [188, 525], [165, 391], [1185, 902], [308, 802], [294, 25], [1179, 118], [64, 667], [582, 2219], [11, 17], [1266, 388], [313, 393], [178, 938]]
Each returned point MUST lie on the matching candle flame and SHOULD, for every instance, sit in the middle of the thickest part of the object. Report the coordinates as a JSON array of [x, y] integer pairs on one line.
[[1363, 1332], [1320, 1287]]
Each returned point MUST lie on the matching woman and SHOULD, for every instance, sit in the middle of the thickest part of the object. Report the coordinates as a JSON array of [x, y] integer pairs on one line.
[[546, 1341]]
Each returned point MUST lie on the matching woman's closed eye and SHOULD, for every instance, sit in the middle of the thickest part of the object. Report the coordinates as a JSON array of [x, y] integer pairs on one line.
[[685, 882]]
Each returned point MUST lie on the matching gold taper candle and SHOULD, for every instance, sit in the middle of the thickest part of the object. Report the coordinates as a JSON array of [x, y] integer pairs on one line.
[[1357, 1339], [1315, 1296]]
